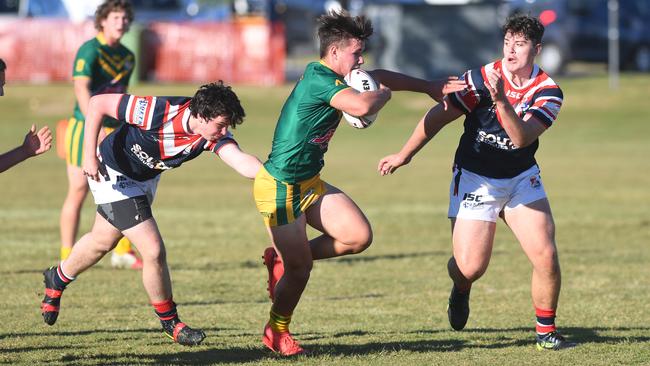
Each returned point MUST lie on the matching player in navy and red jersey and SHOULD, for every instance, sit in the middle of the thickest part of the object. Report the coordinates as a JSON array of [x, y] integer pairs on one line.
[[157, 134], [508, 104]]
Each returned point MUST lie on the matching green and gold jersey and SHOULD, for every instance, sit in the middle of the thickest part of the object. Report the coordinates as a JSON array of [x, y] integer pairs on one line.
[[109, 69], [306, 125]]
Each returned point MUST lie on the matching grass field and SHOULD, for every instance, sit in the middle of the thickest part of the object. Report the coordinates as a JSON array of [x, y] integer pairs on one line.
[[385, 306]]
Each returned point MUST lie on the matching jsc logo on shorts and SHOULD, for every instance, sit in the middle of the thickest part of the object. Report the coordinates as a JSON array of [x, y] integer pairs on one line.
[[471, 200]]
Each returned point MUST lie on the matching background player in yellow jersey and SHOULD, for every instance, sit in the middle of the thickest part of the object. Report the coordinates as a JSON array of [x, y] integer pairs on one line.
[[288, 190], [102, 65], [35, 143]]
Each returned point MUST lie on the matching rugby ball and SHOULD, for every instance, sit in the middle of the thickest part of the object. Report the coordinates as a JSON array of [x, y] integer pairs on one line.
[[362, 82]]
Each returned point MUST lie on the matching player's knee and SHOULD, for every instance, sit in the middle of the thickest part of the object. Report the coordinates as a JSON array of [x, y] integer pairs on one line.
[[360, 241], [472, 270], [155, 254], [547, 259]]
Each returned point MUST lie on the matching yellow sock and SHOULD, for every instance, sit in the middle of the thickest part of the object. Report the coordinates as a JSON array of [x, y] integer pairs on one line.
[[279, 323], [123, 246], [65, 253]]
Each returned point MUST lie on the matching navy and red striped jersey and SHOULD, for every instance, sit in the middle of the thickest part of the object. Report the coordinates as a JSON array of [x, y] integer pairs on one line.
[[485, 147], [154, 137]]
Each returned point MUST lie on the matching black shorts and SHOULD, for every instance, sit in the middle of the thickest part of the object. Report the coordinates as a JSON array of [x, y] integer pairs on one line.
[[127, 213]]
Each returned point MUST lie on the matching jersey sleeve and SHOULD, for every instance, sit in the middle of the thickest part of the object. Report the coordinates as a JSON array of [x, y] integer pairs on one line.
[[215, 146], [546, 105], [86, 57], [326, 87], [137, 110], [466, 100]]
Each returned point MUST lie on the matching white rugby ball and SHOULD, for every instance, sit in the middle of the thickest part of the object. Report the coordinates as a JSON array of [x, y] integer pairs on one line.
[[362, 82]]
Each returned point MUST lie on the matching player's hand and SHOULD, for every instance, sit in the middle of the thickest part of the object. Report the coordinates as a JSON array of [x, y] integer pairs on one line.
[[91, 168], [440, 88], [390, 163], [36, 143], [494, 85]]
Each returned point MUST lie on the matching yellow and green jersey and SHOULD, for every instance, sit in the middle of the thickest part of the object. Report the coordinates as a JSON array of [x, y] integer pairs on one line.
[[109, 69], [306, 125]]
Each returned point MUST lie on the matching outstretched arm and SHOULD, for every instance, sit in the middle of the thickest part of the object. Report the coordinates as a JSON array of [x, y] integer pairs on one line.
[[432, 122], [35, 143], [99, 106], [245, 164], [436, 89]]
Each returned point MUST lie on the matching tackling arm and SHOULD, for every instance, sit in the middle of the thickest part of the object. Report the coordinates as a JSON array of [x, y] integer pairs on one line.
[[432, 122], [245, 164], [35, 143], [436, 89]]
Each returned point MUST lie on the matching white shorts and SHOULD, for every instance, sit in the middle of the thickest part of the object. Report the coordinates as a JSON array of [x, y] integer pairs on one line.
[[475, 197], [120, 187]]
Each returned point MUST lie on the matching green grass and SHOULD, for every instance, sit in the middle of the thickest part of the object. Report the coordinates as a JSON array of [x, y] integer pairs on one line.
[[385, 306]]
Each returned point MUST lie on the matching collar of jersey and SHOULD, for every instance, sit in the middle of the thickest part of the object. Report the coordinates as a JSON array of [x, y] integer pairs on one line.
[[508, 76], [100, 37]]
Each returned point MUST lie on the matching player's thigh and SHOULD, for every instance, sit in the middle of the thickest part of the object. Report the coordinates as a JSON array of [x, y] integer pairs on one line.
[[338, 216], [146, 237], [472, 243], [290, 240], [534, 228], [104, 233]]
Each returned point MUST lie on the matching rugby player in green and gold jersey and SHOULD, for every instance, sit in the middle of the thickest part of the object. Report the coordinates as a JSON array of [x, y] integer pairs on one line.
[[288, 190], [102, 65]]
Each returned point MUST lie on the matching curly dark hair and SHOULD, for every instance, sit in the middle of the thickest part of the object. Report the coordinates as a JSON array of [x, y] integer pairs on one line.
[[527, 25], [216, 99], [112, 5], [336, 27], [3, 65]]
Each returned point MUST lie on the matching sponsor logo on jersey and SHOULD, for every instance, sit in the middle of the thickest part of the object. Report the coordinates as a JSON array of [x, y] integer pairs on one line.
[[499, 142], [148, 160], [139, 111], [513, 94], [324, 140]]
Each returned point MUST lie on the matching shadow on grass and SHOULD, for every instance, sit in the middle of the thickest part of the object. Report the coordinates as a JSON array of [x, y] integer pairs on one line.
[[210, 354], [574, 334], [223, 266]]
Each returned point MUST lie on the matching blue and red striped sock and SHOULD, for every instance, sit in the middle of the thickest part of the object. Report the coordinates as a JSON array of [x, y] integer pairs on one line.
[[545, 320], [61, 280]]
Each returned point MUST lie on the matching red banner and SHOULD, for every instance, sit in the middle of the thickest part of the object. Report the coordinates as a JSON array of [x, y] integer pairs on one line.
[[251, 52]]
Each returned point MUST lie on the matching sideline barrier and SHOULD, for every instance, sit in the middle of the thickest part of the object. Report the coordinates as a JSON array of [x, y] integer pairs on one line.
[[250, 51]]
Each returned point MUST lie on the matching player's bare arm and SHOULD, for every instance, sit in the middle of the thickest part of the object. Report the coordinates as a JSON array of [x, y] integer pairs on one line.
[[98, 107], [360, 104], [35, 143], [522, 132], [436, 89], [82, 93], [432, 122], [245, 164]]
